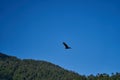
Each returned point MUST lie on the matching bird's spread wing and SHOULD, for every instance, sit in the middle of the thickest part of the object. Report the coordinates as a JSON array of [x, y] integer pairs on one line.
[[66, 46]]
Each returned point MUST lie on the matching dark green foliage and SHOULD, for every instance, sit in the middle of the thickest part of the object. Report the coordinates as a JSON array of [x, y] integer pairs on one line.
[[12, 68]]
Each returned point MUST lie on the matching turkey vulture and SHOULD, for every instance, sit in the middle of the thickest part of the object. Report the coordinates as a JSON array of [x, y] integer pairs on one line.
[[66, 46]]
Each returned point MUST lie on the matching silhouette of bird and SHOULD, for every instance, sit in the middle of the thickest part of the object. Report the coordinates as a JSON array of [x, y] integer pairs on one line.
[[66, 46]]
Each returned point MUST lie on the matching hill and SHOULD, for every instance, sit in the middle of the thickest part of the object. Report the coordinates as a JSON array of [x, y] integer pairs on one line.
[[12, 68]]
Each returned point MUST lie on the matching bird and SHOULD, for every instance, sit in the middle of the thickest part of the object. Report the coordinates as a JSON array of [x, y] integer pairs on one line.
[[66, 46]]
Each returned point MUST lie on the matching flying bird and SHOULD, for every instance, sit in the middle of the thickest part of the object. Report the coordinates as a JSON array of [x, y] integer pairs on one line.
[[66, 46]]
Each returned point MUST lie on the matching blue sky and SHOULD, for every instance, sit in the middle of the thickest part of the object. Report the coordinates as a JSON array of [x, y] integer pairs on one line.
[[36, 29]]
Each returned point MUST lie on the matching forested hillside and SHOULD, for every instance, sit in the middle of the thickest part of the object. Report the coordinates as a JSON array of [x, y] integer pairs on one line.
[[12, 68]]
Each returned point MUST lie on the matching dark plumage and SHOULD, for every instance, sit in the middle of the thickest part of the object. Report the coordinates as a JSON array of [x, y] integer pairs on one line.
[[66, 46]]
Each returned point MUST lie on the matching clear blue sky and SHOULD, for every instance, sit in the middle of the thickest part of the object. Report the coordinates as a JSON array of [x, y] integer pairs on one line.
[[36, 29]]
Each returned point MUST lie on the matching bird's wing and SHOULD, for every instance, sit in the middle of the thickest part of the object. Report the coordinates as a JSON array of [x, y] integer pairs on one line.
[[66, 46]]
